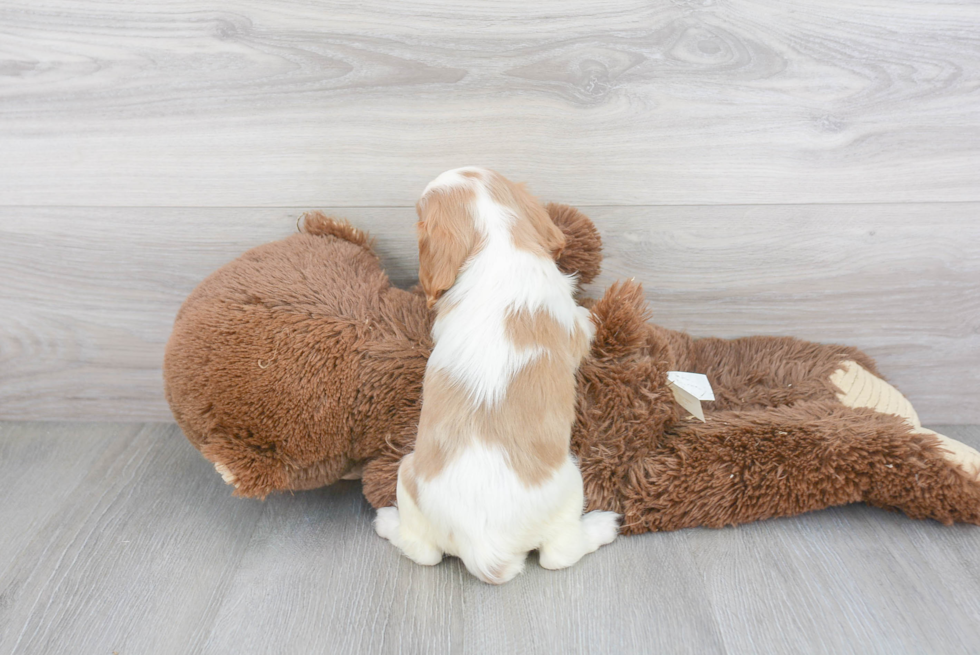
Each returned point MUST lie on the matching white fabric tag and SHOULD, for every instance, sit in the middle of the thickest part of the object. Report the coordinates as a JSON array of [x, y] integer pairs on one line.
[[689, 390]]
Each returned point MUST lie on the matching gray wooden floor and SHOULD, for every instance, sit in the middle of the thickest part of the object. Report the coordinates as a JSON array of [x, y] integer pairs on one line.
[[119, 538]]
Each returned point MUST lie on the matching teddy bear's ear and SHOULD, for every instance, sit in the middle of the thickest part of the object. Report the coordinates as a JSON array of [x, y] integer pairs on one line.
[[582, 254], [319, 224], [620, 317]]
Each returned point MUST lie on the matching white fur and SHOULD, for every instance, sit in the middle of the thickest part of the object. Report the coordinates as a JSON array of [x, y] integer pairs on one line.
[[477, 508]]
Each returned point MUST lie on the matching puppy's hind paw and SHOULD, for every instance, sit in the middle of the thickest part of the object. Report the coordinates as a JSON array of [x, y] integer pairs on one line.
[[600, 528], [387, 522]]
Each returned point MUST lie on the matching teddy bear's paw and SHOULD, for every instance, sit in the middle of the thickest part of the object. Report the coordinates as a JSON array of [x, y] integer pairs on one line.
[[226, 474], [859, 387], [600, 528], [958, 453], [387, 522]]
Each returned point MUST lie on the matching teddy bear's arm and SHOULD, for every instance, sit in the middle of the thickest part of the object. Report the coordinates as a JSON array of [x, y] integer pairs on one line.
[[380, 480]]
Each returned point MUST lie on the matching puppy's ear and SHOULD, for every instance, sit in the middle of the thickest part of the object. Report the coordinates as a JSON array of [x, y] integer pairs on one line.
[[447, 238]]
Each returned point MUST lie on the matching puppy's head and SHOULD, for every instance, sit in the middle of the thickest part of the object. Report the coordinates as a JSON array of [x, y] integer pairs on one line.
[[532, 228], [449, 211], [447, 236]]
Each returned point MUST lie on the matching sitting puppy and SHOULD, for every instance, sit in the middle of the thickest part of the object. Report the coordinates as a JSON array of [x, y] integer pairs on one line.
[[491, 477]]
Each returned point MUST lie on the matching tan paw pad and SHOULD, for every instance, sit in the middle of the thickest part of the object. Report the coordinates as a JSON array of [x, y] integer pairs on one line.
[[861, 388], [226, 474]]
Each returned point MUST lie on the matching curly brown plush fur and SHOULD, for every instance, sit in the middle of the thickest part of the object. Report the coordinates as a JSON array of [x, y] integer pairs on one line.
[[299, 363]]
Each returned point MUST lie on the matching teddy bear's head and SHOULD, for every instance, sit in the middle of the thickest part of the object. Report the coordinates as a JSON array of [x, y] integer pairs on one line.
[[298, 361]]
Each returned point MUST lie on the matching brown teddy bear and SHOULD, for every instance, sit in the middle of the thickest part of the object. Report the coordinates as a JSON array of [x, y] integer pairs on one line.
[[298, 364]]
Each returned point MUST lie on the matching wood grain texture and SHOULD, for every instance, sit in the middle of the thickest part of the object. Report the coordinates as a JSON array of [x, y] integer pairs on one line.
[[273, 103], [60, 454], [901, 282], [90, 294], [150, 554], [132, 561]]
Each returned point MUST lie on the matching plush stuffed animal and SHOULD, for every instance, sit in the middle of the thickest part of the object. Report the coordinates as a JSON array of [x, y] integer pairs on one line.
[[298, 364]]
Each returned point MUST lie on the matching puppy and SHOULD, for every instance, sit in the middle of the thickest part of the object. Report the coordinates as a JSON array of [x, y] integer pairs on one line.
[[492, 477]]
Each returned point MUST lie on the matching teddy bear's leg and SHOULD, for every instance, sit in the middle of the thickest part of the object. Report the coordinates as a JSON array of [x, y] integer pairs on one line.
[[758, 372], [858, 387], [745, 466], [379, 478]]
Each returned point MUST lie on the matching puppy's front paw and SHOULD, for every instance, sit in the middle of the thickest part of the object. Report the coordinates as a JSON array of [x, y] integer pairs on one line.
[[386, 523], [600, 527]]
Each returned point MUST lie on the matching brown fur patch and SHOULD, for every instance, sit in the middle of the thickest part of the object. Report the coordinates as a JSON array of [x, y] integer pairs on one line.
[[535, 426], [527, 330], [533, 229], [582, 254], [757, 372], [447, 237], [532, 424], [319, 224]]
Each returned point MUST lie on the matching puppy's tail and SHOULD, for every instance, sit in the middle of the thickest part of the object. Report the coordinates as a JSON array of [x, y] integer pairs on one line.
[[319, 224], [492, 565]]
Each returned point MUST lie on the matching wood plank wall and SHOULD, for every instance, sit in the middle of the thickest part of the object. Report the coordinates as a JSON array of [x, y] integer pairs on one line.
[[807, 168]]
